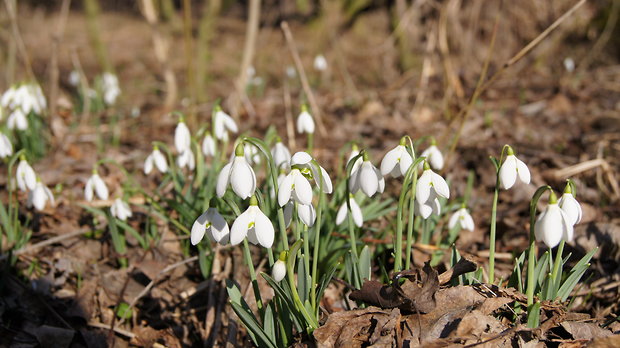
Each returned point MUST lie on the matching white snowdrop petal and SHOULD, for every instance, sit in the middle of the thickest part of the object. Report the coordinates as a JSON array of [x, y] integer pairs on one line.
[[208, 145], [571, 207], [288, 213], [199, 228], [160, 161], [440, 185], [523, 171], [454, 219], [468, 222], [285, 188], [508, 172], [307, 214], [405, 162], [278, 271], [342, 213], [220, 232], [265, 232], [368, 180], [239, 229], [390, 161], [303, 190], [301, 158], [356, 213], [100, 187], [88, 190], [182, 137], [354, 185], [567, 227], [148, 164], [222, 180], [327, 181], [242, 178], [423, 187]]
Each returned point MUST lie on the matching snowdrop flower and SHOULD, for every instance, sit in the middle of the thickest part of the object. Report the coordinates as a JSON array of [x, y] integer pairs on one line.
[[427, 208], [7, 97], [433, 156], [110, 88], [254, 225], [570, 206], [354, 152], [280, 153], [305, 122], [511, 169], [278, 270], [17, 120], [356, 212], [367, 178], [211, 223], [187, 159], [291, 73], [569, 64], [463, 218], [239, 174], [40, 196], [304, 161], [553, 224], [430, 184], [397, 161], [26, 178], [208, 146], [320, 63], [223, 123], [74, 78], [6, 148], [295, 185], [155, 159], [306, 213], [27, 97], [182, 136], [120, 209], [96, 185]]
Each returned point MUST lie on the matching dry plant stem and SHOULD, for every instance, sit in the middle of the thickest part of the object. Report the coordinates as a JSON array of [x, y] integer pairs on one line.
[[161, 46], [600, 43], [11, 8], [91, 8], [316, 112], [188, 43], [480, 88], [444, 48], [425, 74], [288, 113], [56, 41], [248, 54], [206, 31], [75, 59]]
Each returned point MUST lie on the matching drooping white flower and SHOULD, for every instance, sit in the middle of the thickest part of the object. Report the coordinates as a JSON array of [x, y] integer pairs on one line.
[[222, 124], [254, 225], [40, 196], [25, 175], [397, 161], [182, 136], [120, 209], [208, 146], [291, 73], [278, 270], [27, 97], [17, 120], [356, 212], [305, 122], [430, 183], [211, 223], [570, 206], [110, 88], [280, 153], [295, 185], [569, 64], [304, 161], [74, 78], [306, 213], [155, 159], [427, 208], [463, 218], [95, 185], [434, 157], [320, 63], [366, 178], [553, 224], [511, 169], [239, 174], [6, 148], [187, 159]]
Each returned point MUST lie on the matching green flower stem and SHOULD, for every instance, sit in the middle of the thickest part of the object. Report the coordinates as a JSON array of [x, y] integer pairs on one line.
[[493, 232], [248, 260], [531, 251], [398, 243], [317, 242], [270, 255], [411, 220], [310, 142], [306, 251], [557, 272], [352, 236]]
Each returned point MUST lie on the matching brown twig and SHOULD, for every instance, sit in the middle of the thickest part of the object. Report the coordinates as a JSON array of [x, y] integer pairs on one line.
[[21, 47], [54, 73], [53, 240], [304, 79]]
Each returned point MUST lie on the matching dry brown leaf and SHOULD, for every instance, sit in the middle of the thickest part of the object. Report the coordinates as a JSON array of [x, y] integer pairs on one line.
[[584, 331], [605, 342]]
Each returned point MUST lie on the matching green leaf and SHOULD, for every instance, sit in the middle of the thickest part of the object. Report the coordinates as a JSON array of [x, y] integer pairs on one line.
[[260, 338], [533, 315], [302, 280], [364, 264], [123, 311], [269, 323]]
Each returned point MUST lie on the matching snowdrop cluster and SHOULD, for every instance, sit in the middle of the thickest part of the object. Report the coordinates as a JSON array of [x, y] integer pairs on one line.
[[182, 142], [21, 100], [556, 222]]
